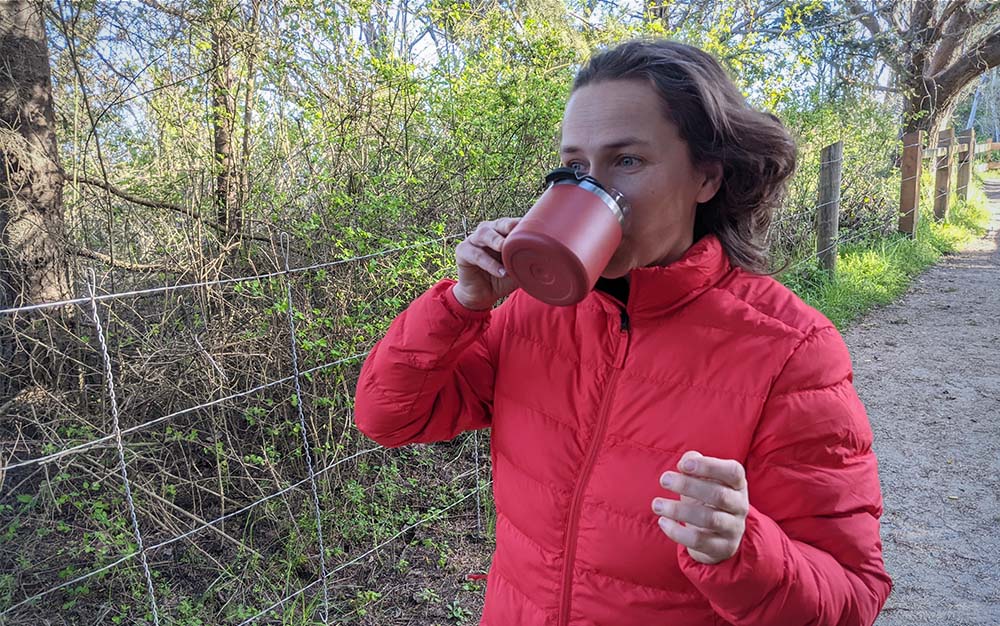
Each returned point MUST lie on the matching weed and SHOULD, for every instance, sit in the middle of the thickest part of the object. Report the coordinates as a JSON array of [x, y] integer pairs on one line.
[[457, 613], [427, 596]]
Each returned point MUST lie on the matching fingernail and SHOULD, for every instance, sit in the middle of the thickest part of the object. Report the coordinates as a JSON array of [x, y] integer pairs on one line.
[[667, 480], [662, 522], [659, 508], [688, 465]]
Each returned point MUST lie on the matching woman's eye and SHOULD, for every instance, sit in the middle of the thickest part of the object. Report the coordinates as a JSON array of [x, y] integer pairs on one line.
[[628, 161], [576, 166]]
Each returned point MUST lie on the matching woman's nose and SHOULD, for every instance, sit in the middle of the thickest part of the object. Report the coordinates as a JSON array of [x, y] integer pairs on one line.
[[599, 174]]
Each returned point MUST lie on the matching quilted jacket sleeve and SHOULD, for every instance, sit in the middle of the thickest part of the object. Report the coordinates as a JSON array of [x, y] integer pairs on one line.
[[431, 377], [811, 553]]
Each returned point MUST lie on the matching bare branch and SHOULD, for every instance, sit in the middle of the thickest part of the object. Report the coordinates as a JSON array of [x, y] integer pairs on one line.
[[124, 195], [169, 10], [132, 267], [984, 55], [866, 17], [954, 32], [742, 27], [948, 11], [159, 204], [881, 39], [888, 13], [921, 28]]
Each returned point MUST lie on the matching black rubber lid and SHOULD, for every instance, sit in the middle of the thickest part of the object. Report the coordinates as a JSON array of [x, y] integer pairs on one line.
[[568, 173]]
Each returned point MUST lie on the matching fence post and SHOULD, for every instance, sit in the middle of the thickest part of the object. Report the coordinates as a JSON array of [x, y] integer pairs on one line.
[[966, 138], [828, 215], [909, 189], [942, 185]]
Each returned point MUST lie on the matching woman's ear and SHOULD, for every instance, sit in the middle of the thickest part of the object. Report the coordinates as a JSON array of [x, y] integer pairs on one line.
[[713, 180]]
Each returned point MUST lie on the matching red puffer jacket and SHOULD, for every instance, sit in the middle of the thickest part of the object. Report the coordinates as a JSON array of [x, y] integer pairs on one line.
[[590, 404]]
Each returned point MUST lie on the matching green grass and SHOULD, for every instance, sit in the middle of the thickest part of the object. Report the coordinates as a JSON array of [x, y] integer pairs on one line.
[[876, 273]]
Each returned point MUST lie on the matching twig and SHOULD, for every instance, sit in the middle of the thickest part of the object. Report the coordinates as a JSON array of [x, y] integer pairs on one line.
[[199, 520], [160, 204], [132, 267]]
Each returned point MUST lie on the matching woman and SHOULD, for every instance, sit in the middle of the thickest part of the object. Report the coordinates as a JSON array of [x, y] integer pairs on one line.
[[685, 446]]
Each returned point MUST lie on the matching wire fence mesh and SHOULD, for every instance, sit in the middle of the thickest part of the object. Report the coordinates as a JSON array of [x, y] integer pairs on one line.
[[169, 462]]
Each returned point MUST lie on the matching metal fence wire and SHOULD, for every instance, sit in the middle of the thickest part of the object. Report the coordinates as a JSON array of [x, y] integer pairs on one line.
[[53, 457]]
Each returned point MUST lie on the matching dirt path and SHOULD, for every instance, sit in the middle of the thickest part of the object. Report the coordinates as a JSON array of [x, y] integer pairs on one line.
[[927, 368]]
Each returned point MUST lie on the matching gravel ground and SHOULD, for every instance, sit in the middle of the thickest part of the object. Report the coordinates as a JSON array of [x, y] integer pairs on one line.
[[927, 370]]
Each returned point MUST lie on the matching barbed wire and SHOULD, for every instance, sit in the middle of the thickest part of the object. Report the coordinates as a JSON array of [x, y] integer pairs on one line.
[[143, 292], [304, 429], [783, 217], [117, 434], [855, 236]]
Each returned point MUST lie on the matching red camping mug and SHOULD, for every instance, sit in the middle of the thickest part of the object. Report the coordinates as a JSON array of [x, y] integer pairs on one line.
[[562, 245]]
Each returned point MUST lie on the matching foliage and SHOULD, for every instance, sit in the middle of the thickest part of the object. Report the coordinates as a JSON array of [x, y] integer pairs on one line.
[[373, 134], [873, 274]]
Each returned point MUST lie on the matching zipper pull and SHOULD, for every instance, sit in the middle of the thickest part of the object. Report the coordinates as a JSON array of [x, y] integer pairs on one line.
[[623, 339]]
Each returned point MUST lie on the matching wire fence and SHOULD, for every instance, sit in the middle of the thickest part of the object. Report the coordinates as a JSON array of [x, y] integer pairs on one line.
[[15, 465], [129, 447], [318, 459]]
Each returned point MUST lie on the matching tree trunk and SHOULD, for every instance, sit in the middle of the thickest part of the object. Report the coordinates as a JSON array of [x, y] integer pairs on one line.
[[943, 48], [249, 102], [34, 261], [34, 266], [929, 105], [223, 118]]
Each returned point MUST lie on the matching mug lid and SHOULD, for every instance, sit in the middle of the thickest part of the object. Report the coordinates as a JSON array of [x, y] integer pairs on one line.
[[614, 200]]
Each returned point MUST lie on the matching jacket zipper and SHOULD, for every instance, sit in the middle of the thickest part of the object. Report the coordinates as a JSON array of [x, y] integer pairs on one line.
[[595, 446]]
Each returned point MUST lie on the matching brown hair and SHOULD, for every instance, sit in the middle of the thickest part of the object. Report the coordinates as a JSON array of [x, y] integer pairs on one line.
[[755, 150]]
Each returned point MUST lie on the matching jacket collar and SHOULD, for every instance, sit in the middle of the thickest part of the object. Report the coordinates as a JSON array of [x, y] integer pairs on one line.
[[656, 291]]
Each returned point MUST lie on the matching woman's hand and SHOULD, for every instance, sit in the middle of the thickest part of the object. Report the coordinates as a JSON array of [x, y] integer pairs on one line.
[[482, 279], [710, 518]]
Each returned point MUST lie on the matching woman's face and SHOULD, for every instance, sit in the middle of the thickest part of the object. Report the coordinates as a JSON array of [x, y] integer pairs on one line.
[[616, 132]]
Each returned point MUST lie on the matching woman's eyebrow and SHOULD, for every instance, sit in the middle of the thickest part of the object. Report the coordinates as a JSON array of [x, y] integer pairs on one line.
[[614, 145]]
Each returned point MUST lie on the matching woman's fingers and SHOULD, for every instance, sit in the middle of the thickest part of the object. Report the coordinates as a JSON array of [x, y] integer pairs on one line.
[[713, 494], [712, 547], [486, 236], [482, 279], [710, 535], [469, 254], [697, 514], [506, 224], [726, 471], [492, 234], [483, 247], [709, 518]]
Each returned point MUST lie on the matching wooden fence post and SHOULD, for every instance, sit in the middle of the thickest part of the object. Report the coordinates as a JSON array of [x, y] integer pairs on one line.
[[966, 138], [942, 185], [909, 189], [828, 213]]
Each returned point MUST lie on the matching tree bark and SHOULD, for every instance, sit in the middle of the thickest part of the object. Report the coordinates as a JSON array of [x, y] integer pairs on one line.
[[249, 101], [223, 119], [937, 56], [33, 258], [34, 265], [932, 97]]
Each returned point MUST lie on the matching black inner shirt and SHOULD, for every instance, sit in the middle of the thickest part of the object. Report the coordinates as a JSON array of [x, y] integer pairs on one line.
[[615, 287]]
